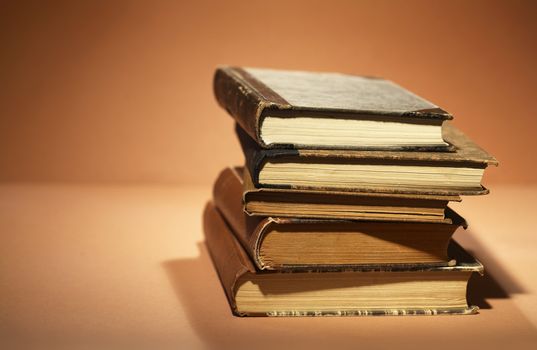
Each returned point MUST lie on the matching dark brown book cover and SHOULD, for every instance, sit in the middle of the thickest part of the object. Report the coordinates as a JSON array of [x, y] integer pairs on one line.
[[249, 94], [397, 202], [466, 154], [233, 264], [237, 180], [251, 231]]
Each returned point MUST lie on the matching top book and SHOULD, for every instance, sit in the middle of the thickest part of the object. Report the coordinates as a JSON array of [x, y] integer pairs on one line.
[[305, 110]]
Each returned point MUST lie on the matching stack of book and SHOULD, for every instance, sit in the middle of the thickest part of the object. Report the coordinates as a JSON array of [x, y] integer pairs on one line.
[[342, 205]]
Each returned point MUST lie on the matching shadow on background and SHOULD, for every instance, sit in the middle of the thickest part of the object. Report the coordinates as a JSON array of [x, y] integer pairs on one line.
[[204, 302], [496, 283], [202, 297]]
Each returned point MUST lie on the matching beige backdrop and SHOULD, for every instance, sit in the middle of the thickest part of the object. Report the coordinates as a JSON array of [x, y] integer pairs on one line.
[[121, 91]]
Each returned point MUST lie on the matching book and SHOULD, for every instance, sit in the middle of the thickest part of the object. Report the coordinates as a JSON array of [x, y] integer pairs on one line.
[[436, 173], [332, 204], [389, 290], [294, 109], [291, 242]]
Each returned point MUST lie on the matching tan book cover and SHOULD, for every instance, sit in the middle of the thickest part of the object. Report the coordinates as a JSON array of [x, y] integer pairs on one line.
[[388, 290], [290, 242]]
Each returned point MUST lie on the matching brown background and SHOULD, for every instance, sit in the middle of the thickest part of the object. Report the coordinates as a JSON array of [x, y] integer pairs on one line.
[[96, 96], [116, 91]]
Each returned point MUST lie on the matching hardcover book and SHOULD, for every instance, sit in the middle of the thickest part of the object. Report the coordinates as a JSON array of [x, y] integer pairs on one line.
[[390, 290], [434, 173], [290, 242], [303, 110], [332, 204]]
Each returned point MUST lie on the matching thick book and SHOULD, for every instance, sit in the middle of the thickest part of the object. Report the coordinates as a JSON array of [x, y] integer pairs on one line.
[[437, 173], [290, 242], [405, 290], [293, 109], [332, 204]]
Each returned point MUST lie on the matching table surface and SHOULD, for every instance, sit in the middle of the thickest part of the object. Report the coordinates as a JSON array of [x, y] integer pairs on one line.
[[104, 266]]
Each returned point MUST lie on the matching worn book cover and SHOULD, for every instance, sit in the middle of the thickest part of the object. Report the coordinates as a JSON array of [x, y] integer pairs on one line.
[[290, 242], [357, 291], [317, 169], [367, 112], [266, 201]]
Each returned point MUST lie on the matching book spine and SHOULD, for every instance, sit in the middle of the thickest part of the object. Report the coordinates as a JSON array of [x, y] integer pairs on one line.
[[253, 154], [239, 99], [228, 258], [227, 196]]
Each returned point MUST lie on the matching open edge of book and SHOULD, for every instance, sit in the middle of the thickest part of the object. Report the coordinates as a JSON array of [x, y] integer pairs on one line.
[[331, 132], [306, 209], [351, 293], [284, 244], [307, 174]]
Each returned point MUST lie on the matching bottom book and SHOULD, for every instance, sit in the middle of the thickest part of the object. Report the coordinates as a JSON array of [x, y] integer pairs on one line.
[[329, 291]]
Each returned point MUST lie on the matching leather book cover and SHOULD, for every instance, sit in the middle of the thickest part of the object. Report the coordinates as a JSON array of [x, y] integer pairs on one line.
[[466, 154], [249, 94], [232, 263], [242, 175], [237, 180], [251, 230], [230, 260]]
